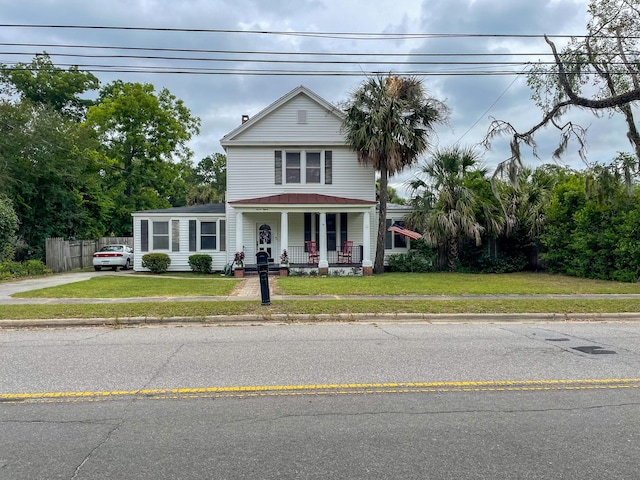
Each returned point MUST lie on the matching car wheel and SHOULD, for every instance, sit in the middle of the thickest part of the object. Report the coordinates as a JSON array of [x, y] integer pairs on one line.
[[127, 265], [98, 268]]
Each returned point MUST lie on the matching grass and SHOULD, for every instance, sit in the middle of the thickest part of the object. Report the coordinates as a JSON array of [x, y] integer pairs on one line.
[[132, 286], [452, 284], [338, 287], [314, 307]]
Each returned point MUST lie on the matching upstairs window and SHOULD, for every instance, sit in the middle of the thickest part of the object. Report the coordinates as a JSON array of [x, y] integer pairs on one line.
[[313, 167], [302, 167], [292, 167]]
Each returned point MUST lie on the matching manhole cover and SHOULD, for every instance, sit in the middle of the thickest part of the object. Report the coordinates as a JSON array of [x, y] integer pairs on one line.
[[593, 350]]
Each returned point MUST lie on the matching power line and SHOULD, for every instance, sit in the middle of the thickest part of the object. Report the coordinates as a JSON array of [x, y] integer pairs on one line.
[[335, 35], [271, 60], [264, 52]]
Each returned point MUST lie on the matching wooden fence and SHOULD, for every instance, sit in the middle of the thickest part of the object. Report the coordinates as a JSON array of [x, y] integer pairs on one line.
[[64, 255]]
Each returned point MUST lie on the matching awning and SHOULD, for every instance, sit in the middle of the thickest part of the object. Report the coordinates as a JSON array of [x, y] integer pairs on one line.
[[404, 231]]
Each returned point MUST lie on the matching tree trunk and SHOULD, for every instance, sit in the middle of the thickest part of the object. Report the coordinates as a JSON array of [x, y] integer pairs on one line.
[[453, 253], [378, 266]]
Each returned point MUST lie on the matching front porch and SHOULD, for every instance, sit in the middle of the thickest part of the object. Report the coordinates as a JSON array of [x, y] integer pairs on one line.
[[313, 229], [301, 263]]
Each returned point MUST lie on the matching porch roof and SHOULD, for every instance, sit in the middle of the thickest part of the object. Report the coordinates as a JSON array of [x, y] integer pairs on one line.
[[302, 199]]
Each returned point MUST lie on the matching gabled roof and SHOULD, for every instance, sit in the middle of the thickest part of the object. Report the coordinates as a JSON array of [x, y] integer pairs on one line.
[[300, 90], [301, 199], [215, 208]]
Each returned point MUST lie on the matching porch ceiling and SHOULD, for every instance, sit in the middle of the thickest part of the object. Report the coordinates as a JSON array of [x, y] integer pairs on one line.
[[301, 199]]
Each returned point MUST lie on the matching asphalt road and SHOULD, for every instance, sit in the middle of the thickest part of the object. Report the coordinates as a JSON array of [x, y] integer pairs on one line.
[[495, 401]]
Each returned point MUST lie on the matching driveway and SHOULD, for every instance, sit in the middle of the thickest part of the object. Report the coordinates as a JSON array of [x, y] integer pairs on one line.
[[9, 288]]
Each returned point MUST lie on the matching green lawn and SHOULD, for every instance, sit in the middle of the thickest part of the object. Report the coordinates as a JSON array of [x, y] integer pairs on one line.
[[131, 286], [438, 284], [313, 307], [385, 284], [451, 284]]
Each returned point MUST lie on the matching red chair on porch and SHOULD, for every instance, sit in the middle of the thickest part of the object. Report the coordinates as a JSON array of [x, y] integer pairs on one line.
[[345, 255], [312, 252]]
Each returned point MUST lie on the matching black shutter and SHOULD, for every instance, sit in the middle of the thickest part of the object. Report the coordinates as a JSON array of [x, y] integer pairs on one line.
[[144, 235], [192, 236], [278, 167], [343, 228], [328, 167], [223, 235]]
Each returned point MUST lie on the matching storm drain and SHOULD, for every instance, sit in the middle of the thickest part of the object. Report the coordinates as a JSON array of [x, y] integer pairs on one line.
[[594, 350]]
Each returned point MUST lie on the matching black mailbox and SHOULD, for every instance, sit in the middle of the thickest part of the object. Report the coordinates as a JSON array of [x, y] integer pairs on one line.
[[262, 259]]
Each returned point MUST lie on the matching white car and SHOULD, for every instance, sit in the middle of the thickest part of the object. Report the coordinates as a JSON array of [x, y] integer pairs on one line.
[[114, 256]]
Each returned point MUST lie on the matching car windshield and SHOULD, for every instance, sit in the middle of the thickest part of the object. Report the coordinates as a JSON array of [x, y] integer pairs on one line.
[[111, 248]]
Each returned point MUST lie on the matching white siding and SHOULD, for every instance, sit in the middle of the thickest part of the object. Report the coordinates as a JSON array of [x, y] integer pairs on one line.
[[251, 174], [180, 259], [281, 125]]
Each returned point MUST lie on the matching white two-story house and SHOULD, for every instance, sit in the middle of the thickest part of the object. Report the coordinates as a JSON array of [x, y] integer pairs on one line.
[[292, 185]]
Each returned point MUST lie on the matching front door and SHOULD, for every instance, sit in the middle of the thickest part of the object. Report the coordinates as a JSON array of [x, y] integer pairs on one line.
[[265, 235]]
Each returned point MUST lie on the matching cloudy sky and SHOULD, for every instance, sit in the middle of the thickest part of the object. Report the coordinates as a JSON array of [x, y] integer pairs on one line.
[[326, 45]]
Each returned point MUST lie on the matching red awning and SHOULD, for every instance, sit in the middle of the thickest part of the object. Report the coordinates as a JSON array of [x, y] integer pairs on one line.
[[405, 231]]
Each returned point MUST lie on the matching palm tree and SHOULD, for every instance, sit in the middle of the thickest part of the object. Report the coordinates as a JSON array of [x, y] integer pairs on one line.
[[387, 122], [449, 204]]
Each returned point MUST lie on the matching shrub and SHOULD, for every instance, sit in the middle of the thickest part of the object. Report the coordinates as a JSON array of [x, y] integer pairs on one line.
[[29, 268], [8, 227], [200, 263], [421, 259], [156, 262]]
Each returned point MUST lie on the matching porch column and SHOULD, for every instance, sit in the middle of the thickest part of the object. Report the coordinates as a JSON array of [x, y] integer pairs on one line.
[[239, 241], [367, 264], [284, 232], [323, 263]]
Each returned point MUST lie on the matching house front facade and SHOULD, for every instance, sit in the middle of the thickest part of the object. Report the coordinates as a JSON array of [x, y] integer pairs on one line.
[[292, 185]]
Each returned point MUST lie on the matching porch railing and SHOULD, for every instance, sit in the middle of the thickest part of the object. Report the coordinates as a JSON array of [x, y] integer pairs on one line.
[[298, 256]]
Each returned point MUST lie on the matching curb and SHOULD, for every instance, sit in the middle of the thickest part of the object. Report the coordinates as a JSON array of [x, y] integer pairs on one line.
[[284, 319]]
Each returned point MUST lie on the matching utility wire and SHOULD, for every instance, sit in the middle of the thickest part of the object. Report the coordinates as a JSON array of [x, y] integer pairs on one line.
[[264, 52], [334, 35]]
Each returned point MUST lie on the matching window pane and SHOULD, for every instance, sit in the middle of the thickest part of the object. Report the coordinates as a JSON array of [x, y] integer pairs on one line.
[[293, 167], [208, 243], [161, 242], [161, 235], [208, 228], [399, 241], [293, 159], [313, 167], [313, 159], [161, 228]]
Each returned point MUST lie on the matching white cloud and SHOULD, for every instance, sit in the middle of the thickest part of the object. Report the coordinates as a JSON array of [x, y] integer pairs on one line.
[[220, 100]]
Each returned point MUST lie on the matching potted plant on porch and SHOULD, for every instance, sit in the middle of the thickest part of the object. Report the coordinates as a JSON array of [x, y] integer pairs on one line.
[[238, 264], [284, 264]]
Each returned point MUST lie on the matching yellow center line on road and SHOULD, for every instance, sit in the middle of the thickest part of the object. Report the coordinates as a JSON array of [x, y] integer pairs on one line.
[[329, 389]]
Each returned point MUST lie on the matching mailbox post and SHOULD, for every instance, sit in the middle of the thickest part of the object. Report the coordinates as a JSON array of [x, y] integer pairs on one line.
[[262, 259]]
